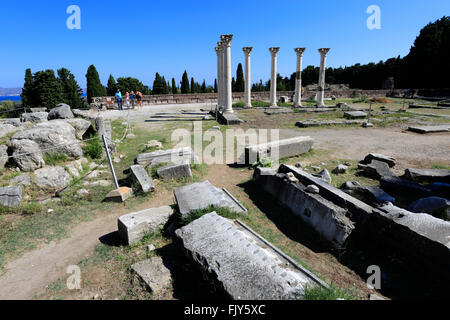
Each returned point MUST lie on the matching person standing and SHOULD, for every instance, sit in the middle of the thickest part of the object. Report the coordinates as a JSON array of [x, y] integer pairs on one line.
[[132, 96], [119, 99], [127, 100], [139, 99]]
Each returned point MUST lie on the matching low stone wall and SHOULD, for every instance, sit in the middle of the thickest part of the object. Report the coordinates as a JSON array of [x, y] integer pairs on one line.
[[239, 96]]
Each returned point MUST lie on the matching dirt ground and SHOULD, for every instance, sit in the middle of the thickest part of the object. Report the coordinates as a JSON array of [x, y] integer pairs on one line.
[[30, 274]]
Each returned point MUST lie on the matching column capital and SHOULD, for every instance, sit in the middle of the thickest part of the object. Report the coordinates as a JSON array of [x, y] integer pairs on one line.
[[274, 50], [300, 51], [218, 49], [226, 39], [324, 51], [247, 50]]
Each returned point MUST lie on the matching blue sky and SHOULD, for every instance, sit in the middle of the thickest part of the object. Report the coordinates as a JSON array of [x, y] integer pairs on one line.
[[140, 38]]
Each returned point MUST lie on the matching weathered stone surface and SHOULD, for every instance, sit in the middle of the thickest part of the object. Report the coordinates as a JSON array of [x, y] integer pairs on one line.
[[428, 175], [355, 114], [154, 144], [395, 185], [11, 196], [325, 217], [55, 137], [35, 117], [35, 110], [6, 129], [430, 129], [52, 178], [3, 156], [358, 209], [175, 171], [81, 126], [139, 175], [312, 189], [340, 169], [379, 157], [286, 148], [15, 122], [180, 155], [74, 168], [372, 195], [432, 205], [242, 262], [119, 195], [153, 273], [24, 180], [350, 185], [324, 175], [229, 119], [134, 226], [317, 123], [61, 111], [440, 189], [27, 155], [376, 169], [201, 195]]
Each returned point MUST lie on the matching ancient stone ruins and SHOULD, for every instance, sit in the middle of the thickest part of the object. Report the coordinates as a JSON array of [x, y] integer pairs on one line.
[[347, 184]]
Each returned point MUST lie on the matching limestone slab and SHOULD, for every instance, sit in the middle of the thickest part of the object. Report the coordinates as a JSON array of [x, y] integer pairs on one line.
[[179, 155], [153, 273], [430, 129], [139, 175], [241, 261], [134, 226], [11, 196], [175, 171]]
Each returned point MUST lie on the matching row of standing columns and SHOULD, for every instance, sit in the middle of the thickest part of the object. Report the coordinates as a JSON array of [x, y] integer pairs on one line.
[[224, 79]]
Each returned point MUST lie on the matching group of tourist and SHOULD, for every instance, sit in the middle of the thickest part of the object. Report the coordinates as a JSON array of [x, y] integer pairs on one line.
[[131, 99]]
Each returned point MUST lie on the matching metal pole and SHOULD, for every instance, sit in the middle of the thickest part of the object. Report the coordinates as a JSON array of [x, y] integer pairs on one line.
[[110, 162]]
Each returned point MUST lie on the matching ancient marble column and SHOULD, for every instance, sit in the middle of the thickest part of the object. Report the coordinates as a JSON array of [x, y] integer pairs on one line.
[[248, 88], [226, 39], [321, 92], [273, 77], [219, 71], [298, 78]]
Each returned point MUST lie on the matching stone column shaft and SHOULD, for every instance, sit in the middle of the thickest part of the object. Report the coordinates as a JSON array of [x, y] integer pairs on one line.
[[298, 78], [219, 74], [273, 77], [226, 39], [321, 92], [248, 88]]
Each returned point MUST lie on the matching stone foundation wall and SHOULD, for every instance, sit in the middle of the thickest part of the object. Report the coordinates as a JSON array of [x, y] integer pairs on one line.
[[239, 96]]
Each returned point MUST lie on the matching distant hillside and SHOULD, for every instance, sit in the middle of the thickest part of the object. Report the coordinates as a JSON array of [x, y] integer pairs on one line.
[[10, 91]]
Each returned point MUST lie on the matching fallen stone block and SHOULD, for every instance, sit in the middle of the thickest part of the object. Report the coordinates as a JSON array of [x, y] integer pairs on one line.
[[317, 123], [229, 119], [379, 157], [278, 149], [119, 195], [153, 273], [175, 171], [430, 129], [35, 110], [376, 169], [428, 175], [61, 111], [245, 265], [22, 180], [35, 117], [324, 175], [355, 114], [27, 155], [180, 155], [201, 195], [11, 196], [328, 219], [371, 195], [395, 185], [140, 176], [134, 226], [52, 178], [3, 156], [433, 205]]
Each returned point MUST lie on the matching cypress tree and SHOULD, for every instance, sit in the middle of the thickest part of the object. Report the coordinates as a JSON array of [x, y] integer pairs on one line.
[[185, 83], [27, 91], [111, 88], [193, 89], [174, 86], [158, 86], [215, 85], [71, 92], [47, 89], [240, 84], [233, 84], [204, 87], [94, 86]]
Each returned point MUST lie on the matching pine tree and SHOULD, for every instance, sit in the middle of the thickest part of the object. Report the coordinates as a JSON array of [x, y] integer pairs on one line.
[[47, 89], [185, 83], [111, 88], [240, 84], [27, 91], [94, 86], [71, 92], [174, 87]]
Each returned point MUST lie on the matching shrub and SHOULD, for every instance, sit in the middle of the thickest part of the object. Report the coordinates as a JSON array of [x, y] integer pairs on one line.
[[93, 148], [54, 159], [331, 293]]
